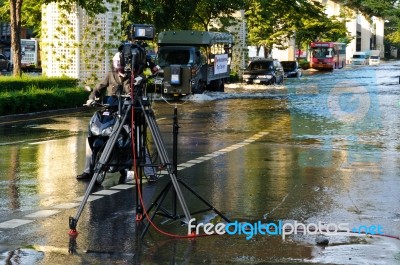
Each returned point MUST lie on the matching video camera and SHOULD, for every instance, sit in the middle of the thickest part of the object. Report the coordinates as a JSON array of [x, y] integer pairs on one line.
[[133, 54]]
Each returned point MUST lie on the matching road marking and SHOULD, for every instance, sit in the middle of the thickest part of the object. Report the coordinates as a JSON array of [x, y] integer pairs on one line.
[[231, 148], [13, 223], [183, 165], [106, 192], [68, 205], [122, 187], [195, 161], [90, 198], [211, 155], [219, 153], [223, 151], [42, 214], [204, 158]]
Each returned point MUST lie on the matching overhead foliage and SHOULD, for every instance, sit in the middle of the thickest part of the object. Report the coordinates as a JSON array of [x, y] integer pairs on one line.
[[179, 14], [333, 28], [369, 8], [164, 14], [270, 22], [92, 7], [273, 23], [4, 11], [208, 11], [31, 14]]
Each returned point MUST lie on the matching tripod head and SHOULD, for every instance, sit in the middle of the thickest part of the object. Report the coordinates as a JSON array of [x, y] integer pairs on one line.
[[133, 53], [134, 59]]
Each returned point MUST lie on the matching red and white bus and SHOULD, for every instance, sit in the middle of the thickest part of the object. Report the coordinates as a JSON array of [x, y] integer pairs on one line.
[[327, 55]]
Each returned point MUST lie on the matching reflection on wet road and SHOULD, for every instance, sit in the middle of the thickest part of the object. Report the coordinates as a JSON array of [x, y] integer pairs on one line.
[[327, 150]]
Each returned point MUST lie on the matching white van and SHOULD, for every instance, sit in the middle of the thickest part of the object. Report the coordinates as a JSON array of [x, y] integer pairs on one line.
[[375, 58], [360, 58]]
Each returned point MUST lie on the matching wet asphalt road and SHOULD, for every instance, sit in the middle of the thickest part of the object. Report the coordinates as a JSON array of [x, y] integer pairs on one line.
[[320, 149]]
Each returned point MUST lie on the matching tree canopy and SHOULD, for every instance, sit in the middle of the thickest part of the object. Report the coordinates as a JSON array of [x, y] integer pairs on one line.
[[270, 22], [273, 23], [179, 14]]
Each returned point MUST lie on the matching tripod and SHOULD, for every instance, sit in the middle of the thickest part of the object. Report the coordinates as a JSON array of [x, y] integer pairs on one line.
[[174, 182], [138, 108]]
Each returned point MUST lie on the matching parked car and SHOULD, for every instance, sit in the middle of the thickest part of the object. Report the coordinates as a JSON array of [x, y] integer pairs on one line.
[[291, 68], [374, 57], [264, 71], [5, 64], [374, 60], [360, 58]]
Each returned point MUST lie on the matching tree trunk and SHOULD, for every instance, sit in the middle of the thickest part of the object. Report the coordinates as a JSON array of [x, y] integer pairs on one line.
[[15, 16], [267, 51]]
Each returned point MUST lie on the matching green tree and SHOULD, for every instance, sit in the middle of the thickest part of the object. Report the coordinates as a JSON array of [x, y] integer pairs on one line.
[[32, 16], [164, 14], [369, 8], [4, 11], [20, 14], [216, 11], [92, 7], [179, 14], [15, 24], [323, 28], [273, 23]]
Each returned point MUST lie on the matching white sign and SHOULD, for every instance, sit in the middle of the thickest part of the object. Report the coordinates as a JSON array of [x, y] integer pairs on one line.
[[220, 63]]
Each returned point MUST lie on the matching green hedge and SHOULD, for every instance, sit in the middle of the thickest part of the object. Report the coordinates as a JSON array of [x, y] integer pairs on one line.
[[9, 83], [33, 94], [35, 100], [234, 77], [304, 64]]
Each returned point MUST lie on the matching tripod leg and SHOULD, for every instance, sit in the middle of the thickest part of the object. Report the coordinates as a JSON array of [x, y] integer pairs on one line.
[[99, 167], [204, 201], [158, 202], [139, 131]]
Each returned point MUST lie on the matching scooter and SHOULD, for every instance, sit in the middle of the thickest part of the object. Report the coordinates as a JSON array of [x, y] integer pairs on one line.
[[101, 127]]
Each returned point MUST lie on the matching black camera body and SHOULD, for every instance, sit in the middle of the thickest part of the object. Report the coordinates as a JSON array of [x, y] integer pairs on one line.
[[133, 54], [133, 58]]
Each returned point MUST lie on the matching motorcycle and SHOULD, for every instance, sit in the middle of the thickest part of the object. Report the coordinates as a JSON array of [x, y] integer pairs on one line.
[[101, 127]]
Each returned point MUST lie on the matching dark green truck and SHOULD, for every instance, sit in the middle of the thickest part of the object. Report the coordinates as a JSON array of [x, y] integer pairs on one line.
[[193, 61]]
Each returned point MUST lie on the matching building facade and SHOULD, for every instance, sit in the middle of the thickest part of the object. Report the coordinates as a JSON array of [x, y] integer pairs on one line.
[[77, 45]]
